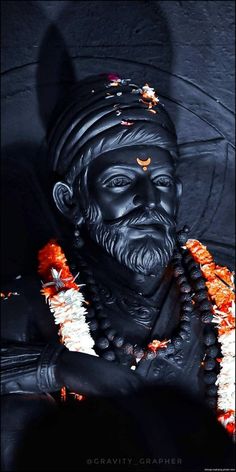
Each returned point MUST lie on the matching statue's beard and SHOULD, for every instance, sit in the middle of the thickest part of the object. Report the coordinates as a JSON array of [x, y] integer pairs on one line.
[[146, 253]]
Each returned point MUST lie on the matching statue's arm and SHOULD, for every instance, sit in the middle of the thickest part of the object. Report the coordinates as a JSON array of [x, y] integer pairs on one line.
[[28, 368]]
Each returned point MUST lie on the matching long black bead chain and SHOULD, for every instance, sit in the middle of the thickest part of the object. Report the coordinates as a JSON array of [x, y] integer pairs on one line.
[[193, 295], [186, 294], [111, 346], [99, 324], [205, 309]]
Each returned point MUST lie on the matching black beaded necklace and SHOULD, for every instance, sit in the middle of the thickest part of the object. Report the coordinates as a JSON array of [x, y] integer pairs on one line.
[[193, 296]]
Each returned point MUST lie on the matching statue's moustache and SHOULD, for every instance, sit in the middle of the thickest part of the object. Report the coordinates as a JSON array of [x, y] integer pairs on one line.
[[141, 217]]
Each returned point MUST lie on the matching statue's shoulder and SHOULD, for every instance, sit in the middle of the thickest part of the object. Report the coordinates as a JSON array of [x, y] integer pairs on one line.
[[24, 314]]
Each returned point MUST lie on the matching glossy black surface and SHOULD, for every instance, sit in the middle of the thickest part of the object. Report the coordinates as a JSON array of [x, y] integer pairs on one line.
[[117, 187]]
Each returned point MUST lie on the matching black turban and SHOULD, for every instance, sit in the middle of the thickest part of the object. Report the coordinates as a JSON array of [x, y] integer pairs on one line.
[[104, 113]]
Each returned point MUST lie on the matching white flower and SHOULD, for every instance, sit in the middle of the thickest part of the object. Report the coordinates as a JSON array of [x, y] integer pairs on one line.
[[150, 93], [226, 377], [69, 312]]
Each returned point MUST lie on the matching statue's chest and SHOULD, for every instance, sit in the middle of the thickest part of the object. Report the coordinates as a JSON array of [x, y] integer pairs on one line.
[[180, 364], [181, 369]]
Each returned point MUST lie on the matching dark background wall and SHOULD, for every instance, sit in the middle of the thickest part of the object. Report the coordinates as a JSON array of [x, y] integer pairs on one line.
[[185, 49]]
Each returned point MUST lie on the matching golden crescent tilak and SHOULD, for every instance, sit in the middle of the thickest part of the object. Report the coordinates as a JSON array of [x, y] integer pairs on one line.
[[144, 163]]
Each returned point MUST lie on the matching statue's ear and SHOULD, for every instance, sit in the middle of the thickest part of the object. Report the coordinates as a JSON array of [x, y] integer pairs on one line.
[[179, 189], [64, 200]]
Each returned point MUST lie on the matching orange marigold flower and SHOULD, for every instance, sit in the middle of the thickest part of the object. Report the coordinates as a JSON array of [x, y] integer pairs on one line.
[[48, 292], [230, 428], [224, 274], [220, 294], [51, 256], [208, 270], [156, 344], [199, 252]]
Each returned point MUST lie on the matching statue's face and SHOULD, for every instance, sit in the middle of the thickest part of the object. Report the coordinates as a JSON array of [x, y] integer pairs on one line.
[[131, 204]]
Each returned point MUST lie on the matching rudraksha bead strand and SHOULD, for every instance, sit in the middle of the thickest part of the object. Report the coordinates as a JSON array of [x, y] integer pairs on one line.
[[100, 324], [205, 309]]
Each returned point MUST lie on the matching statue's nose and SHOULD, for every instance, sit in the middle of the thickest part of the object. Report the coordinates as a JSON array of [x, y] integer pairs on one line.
[[146, 195]]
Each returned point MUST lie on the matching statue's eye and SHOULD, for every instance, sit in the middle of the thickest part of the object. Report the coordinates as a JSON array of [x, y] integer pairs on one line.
[[119, 181], [163, 181]]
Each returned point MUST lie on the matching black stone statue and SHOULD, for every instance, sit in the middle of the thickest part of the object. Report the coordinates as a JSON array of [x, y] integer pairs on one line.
[[113, 150]]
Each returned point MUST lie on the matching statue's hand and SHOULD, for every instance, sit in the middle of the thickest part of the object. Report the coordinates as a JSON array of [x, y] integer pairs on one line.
[[93, 376]]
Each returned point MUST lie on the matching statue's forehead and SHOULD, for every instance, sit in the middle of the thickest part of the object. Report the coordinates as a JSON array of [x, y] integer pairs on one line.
[[128, 157]]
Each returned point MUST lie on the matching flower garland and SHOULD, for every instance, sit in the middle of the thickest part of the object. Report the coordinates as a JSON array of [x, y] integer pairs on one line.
[[67, 305], [65, 300], [220, 285]]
